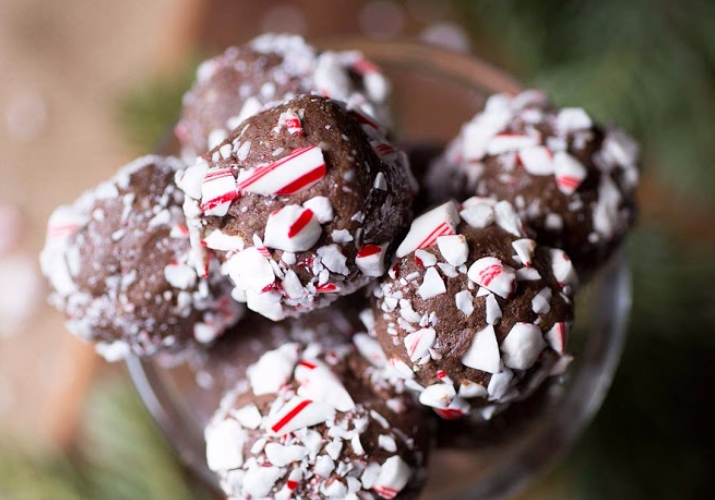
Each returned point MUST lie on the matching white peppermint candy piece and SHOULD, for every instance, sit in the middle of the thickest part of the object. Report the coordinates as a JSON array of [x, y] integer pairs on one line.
[[569, 172], [248, 416], [259, 481], [456, 409], [508, 141], [224, 445], [541, 303], [394, 475], [537, 160], [425, 258], [483, 354], [507, 218], [463, 302], [292, 229], [280, 455], [250, 270], [319, 383], [426, 228], [330, 75], [438, 395], [621, 148], [470, 390], [290, 120], [218, 191], [299, 413], [493, 310], [571, 120], [499, 384], [181, 276], [419, 343], [370, 349], [524, 249], [332, 258], [556, 337], [478, 214], [522, 346], [322, 208], [493, 275], [527, 274], [218, 240], [562, 267], [324, 466], [432, 285], [191, 180], [273, 370], [370, 259], [298, 171], [454, 249]]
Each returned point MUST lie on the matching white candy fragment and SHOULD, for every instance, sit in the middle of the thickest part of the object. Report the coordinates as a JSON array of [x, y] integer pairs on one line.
[[478, 212], [319, 383], [541, 303], [370, 349], [273, 370], [280, 455], [463, 302], [217, 240], [483, 353], [224, 445], [426, 228], [556, 337], [522, 346], [432, 286], [250, 270], [493, 310], [322, 208], [438, 395], [537, 160], [507, 218], [454, 249], [292, 228]]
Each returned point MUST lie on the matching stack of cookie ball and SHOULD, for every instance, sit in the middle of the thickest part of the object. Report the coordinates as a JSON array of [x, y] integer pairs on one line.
[[289, 196]]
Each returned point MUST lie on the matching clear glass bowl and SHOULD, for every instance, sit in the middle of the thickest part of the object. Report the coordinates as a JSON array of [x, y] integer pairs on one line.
[[435, 91]]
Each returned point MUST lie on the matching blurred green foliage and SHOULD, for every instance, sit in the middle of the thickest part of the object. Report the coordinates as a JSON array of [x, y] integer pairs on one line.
[[648, 65], [121, 455]]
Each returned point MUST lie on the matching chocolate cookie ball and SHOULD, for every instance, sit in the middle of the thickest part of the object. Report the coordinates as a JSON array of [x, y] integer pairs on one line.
[[303, 424], [571, 180], [301, 203], [273, 68], [121, 269], [473, 313]]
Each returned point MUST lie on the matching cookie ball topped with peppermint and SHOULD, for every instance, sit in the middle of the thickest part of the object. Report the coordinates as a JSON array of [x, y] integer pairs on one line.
[[272, 68], [120, 266], [300, 203], [570, 179], [473, 313], [301, 424]]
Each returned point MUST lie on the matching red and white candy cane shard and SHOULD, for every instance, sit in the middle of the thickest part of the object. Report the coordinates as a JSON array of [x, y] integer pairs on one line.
[[294, 479], [218, 191], [426, 228], [438, 395], [327, 288], [64, 223], [363, 66], [419, 343], [524, 249], [319, 383], [557, 337], [364, 119], [290, 120], [449, 413], [492, 274], [292, 229], [537, 160], [179, 231], [569, 172], [394, 475], [261, 247], [299, 413], [507, 141], [370, 260], [298, 171], [562, 267], [384, 150], [370, 349]]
